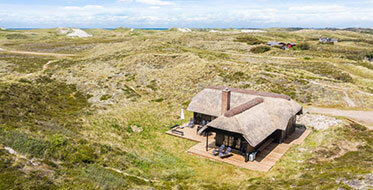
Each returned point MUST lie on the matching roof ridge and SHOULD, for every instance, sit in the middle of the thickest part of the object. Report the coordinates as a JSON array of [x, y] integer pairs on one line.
[[252, 92], [244, 107]]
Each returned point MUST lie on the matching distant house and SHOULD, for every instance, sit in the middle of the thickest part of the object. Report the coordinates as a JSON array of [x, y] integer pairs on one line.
[[288, 46], [274, 43], [328, 40], [282, 45], [244, 120]]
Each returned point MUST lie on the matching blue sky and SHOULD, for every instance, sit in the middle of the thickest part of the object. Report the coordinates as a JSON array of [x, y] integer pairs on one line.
[[185, 13]]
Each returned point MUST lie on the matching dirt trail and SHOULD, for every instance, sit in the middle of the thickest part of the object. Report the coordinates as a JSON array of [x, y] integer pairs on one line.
[[45, 67], [37, 53], [364, 117]]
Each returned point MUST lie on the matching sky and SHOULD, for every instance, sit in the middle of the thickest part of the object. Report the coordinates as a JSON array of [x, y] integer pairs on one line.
[[185, 13]]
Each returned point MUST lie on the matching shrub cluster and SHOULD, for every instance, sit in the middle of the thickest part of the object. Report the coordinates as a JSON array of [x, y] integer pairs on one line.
[[370, 55], [260, 49], [303, 46]]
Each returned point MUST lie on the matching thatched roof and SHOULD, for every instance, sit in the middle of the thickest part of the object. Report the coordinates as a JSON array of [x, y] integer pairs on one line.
[[256, 121], [243, 107]]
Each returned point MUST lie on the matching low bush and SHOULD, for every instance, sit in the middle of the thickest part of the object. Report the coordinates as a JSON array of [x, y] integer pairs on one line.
[[12, 177], [84, 154], [16, 36], [324, 69], [24, 63], [43, 103], [105, 97], [105, 178], [303, 46], [260, 49], [370, 55], [23, 144]]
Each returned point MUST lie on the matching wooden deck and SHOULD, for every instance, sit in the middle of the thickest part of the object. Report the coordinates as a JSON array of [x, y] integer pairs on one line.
[[264, 161]]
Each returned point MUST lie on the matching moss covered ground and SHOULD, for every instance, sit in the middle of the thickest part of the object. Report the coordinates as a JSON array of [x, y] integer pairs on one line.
[[75, 118]]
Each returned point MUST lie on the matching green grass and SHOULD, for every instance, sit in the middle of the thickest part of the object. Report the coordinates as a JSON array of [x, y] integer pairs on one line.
[[324, 69], [13, 178], [250, 40], [314, 172], [260, 49], [24, 63], [43, 100]]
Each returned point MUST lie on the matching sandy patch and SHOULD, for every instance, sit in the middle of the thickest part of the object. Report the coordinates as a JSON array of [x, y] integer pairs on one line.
[[252, 31], [319, 122], [214, 31], [73, 32], [79, 33], [184, 30]]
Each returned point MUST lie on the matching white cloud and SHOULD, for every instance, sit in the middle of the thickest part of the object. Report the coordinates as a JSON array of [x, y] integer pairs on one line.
[[318, 8], [149, 2], [154, 7], [87, 7], [150, 13], [155, 2]]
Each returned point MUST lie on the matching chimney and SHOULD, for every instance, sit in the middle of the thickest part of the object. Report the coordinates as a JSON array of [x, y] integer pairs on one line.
[[225, 100]]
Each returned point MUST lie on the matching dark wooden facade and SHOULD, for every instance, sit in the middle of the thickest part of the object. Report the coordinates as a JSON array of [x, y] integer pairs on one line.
[[237, 142], [199, 118]]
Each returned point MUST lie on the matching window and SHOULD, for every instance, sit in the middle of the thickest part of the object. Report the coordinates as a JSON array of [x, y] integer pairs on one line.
[[230, 141], [238, 143]]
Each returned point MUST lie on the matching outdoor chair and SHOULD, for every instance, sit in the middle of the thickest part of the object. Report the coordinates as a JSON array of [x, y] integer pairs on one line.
[[220, 150], [225, 153], [173, 127], [191, 123], [175, 131], [198, 128]]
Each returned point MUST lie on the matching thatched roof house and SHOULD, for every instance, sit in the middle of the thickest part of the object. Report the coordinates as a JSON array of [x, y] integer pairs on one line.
[[328, 40], [254, 116]]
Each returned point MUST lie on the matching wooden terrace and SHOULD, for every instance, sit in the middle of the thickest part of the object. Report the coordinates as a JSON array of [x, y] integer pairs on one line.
[[264, 161]]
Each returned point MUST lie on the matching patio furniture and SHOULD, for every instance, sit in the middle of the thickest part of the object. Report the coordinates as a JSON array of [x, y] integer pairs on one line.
[[173, 127], [175, 131], [218, 151], [225, 153], [198, 128], [191, 123]]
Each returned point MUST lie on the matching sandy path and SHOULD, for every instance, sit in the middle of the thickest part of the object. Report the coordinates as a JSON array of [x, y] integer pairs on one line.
[[364, 117], [37, 53], [45, 67]]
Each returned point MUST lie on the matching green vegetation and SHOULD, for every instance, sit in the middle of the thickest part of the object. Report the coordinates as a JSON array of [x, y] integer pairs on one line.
[[260, 49], [105, 97], [250, 40], [43, 100], [24, 63], [370, 55], [328, 165], [97, 120], [303, 46], [15, 36]]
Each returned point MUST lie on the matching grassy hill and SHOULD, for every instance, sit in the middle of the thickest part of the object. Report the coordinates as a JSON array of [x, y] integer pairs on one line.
[[71, 118]]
